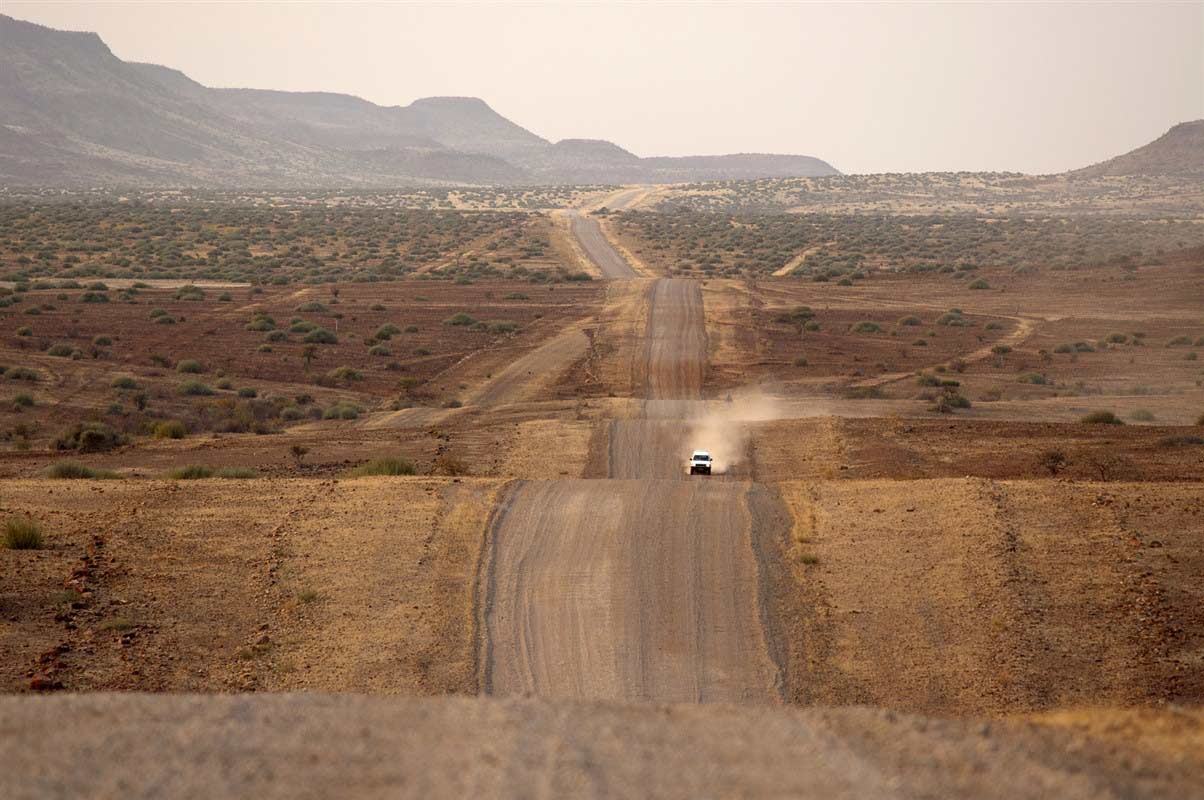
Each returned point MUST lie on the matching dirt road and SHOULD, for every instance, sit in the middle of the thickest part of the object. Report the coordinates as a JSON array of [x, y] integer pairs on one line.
[[302, 746], [643, 587], [599, 250]]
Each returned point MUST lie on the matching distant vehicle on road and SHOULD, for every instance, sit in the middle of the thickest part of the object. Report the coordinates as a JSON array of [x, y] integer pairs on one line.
[[700, 463]]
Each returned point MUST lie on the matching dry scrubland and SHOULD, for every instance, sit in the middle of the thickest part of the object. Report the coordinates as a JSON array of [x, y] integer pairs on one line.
[[942, 518]]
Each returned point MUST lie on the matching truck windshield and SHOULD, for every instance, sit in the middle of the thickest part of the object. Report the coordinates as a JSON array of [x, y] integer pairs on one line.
[[701, 457]]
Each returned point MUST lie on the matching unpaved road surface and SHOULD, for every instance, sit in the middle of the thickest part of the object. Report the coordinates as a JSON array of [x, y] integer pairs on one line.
[[639, 589], [298, 747], [599, 250]]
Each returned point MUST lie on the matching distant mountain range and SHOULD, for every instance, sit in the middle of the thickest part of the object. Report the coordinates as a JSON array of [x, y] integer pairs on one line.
[[72, 114], [1179, 151]]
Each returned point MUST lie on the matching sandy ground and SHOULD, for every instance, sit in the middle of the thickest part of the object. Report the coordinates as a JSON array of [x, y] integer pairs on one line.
[[313, 746]]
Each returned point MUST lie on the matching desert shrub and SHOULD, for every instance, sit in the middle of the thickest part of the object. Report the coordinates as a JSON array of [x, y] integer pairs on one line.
[[1116, 338], [1064, 348], [343, 410], [189, 365], [190, 293], [949, 400], [261, 323], [421, 351], [276, 336], [22, 374], [301, 326], [515, 296], [311, 307], [22, 533], [1001, 349], [379, 350], [866, 326], [170, 429], [102, 341], [502, 326], [94, 297], [387, 331], [1035, 378], [124, 382], [911, 320], [1102, 418], [321, 336], [22, 400], [384, 466], [33, 311], [344, 373], [60, 350], [800, 362], [225, 384], [994, 326], [981, 283], [200, 472], [1179, 341], [459, 318], [166, 320], [73, 470], [225, 297], [248, 392], [291, 413], [195, 389], [1142, 415], [951, 319], [89, 437], [411, 329], [25, 330], [920, 343]]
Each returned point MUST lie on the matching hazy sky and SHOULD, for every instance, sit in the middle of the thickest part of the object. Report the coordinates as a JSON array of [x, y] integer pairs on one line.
[[867, 87]]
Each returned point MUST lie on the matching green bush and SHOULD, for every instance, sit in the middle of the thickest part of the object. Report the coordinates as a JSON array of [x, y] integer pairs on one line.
[[911, 321], [102, 341], [865, 326], [73, 470], [981, 283], [190, 366], [321, 336], [276, 336], [195, 388], [170, 429], [60, 350], [22, 533], [248, 392], [343, 410], [379, 350], [22, 374], [89, 437], [459, 318], [1179, 341], [387, 331], [312, 307], [260, 324], [384, 466], [1102, 418], [1142, 415]]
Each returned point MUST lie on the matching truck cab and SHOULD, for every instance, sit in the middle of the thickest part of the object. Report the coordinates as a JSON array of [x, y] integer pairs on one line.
[[700, 463]]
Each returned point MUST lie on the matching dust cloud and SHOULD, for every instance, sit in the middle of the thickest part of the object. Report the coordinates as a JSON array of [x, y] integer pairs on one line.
[[722, 428]]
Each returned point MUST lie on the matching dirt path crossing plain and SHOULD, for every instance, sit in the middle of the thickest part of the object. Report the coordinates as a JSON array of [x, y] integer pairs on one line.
[[640, 587]]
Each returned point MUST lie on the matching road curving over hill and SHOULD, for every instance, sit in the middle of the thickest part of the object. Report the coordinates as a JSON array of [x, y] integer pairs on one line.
[[644, 586]]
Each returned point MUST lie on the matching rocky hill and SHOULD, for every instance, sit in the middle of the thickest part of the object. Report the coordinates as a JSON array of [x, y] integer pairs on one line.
[[72, 113], [1179, 151]]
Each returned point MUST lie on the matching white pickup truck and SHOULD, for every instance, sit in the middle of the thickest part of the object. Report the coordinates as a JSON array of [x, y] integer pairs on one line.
[[700, 463]]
